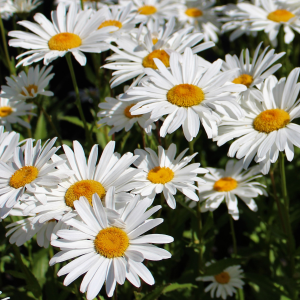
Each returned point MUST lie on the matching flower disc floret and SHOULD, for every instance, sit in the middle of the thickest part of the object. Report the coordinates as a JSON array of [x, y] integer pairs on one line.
[[271, 120], [23, 176], [128, 114], [244, 79], [194, 12], [160, 175], [280, 15], [29, 89], [147, 10], [162, 55], [222, 278], [185, 95], [111, 242], [86, 188], [5, 111], [111, 23], [64, 41], [225, 184]]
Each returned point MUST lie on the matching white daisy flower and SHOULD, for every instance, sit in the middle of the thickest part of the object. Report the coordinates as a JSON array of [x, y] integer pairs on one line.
[[164, 173], [11, 111], [23, 86], [225, 283], [202, 16], [30, 169], [254, 73], [229, 184], [270, 15], [268, 126], [187, 94], [23, 6], [8, 144], [95, 4], [74, 32], [88, 178], [5, 9], [138, 54], [109, 253], [117, 113]]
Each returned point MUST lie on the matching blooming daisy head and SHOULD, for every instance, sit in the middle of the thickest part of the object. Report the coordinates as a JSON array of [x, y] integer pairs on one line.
[[74, 32], [268, 126], [95, 4], [225, 283], [139, 53], [228, 185], [28, 86], [109, 253], [270, 15], [187, 94], [30, 170], [202, 16], [254, 73], [167, 174], [23, 6]]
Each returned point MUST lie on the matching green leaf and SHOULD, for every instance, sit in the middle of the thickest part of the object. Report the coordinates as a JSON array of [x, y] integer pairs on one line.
[[154, 294], [15, 274], [73, 120], [40, 265], [219, 266], [41, 128]]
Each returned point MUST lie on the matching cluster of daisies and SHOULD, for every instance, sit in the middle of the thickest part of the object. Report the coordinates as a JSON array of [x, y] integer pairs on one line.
[[97, 211]]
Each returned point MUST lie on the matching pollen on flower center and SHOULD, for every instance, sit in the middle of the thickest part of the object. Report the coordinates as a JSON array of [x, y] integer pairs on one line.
[[194, 12], [271, 120], [111, 242], [147, 10], [154, 41], [86, 188], [128, 114], [185, 95], [111, 23], [222, 278], [29, 89], [280, 15], [64, 41], [23, 176], [5, 111], [225, 184], [162, 55], [244, 79], [160, 175]]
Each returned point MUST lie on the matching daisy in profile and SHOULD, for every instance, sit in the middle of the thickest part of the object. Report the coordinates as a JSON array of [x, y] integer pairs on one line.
[[202, 16], [28, 86], [225, 283], [95, 4], [167, 174], [88, 178], [74, 32], [108, 253], [268, 126], [254, 73], [23, 6], [270, 15], [229, 184], [187, 94], [138, 54], [31, 169], [12, 111]]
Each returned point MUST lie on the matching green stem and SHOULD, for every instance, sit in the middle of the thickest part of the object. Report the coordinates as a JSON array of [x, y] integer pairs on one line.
[[233, 235], [199, 234], [81, 3], [9, 65], [78, 102]]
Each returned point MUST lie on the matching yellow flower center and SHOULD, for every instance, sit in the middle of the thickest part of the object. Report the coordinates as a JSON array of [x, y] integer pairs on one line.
[[23, 176], [280, 15], [162, 55], [86, 188], [5, 111], [111, 242], [270, 120], [225, 184], [154, 41], [194, 12], [222, 278], [160, 175], [64, 41], [128, 114], [147, 10], [244, 79], [111, 23], [185, 95], [29, 89]]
